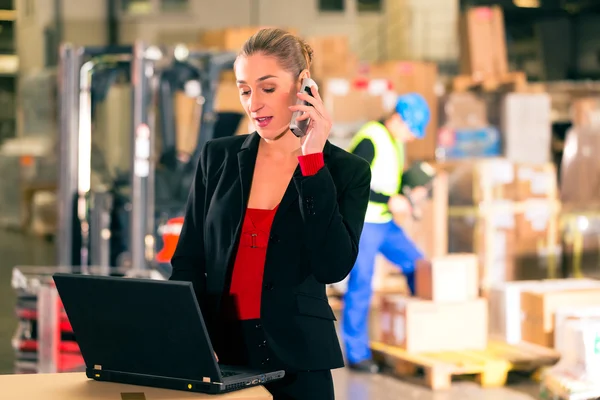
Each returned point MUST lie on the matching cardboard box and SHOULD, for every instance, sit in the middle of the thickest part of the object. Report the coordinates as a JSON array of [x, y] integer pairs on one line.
[[463, 110], [582, 346], [425, 326], [495, 242], [387, 277], [356, 100], [586, 112], [494, 180], [332, 57], [505, 303], [227, 98], [449, 278], [527, 127], [508, 214], [562, 316], [497, 178], [231, 39], [407, 77], [536, 181], [537, 226], [465, 143], [430, 232], [539, 307], [246, 126], [483, 44]]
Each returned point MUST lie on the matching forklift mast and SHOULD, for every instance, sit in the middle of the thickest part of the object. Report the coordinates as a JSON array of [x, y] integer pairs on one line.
[[156, 74]]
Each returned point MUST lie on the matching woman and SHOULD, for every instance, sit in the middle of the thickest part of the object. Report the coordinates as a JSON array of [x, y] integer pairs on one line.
[[304, 199]]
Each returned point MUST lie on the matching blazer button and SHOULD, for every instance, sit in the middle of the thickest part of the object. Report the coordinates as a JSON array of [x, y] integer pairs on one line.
[[266, 361], [274, 238], [268, 286], [263, 344], [258, 326]]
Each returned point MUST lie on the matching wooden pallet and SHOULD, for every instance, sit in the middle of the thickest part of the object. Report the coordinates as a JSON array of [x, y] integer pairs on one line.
[[515, 81], [490, 366]]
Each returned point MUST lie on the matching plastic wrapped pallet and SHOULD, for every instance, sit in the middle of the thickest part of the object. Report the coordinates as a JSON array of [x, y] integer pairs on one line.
[[39, 94], [11, 199], [580, 171]]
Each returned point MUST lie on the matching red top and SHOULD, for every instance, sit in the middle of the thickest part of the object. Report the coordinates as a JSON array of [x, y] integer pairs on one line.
[[247, 278]]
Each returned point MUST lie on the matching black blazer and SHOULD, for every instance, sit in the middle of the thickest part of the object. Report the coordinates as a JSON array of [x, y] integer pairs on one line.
[[314, 242]]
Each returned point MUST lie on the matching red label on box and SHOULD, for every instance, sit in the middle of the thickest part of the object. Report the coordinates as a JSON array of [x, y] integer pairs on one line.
[[484, 13], [446, 137], [361, 83], [405, 68]]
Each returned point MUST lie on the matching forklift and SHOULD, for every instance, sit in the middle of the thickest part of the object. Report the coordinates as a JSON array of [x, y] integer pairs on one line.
[[124, 223], [112, 219]]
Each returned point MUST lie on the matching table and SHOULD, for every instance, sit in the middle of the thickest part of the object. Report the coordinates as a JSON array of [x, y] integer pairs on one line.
[[76, 386]]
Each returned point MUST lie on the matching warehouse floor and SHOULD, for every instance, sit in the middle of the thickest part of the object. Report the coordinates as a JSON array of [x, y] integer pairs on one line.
[[18, 249]]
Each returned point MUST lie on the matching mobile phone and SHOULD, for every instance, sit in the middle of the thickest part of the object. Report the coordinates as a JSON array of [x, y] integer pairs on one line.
[[299, 128]]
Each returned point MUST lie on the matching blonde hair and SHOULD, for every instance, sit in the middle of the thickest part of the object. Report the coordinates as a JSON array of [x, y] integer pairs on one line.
[[293, 54]]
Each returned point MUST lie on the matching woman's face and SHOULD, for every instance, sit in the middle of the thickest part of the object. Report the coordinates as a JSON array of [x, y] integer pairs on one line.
[[266, 91]]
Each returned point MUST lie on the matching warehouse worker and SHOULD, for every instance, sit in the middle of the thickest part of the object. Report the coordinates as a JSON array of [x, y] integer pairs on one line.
[[381, 143]]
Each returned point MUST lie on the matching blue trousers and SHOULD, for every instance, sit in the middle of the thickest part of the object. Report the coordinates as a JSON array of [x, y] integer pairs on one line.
[[391, 241]]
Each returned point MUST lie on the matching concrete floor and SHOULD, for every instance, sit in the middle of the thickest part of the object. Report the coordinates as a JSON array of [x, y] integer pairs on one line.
[[17, 249]]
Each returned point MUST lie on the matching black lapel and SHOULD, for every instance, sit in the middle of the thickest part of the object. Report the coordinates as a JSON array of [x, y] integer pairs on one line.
[[291, 195], [246, 163]]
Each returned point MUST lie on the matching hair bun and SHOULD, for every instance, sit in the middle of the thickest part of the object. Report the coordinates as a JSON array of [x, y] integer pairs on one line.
[[308, 53]]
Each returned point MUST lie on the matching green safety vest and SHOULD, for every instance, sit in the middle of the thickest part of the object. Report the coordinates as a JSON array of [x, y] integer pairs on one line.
[[386, 168]]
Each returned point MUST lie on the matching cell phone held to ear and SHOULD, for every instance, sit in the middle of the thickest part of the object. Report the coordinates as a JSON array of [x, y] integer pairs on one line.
[[299, 128]]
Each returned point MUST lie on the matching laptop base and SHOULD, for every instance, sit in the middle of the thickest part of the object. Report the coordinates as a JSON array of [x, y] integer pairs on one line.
[[229, 384]]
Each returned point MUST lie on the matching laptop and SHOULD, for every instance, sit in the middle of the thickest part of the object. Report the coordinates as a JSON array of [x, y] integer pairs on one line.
[[148, 333]]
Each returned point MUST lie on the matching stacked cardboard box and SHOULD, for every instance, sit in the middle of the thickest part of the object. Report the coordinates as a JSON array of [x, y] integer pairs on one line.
[[508, 308], [539, 306], [447, 313], [393, 78], [577, 339], [332, 57], [483, 43], [230, 39], [407, 77], [506, 213], [466, 131], [525, 122], [510, 124], [430, 231]]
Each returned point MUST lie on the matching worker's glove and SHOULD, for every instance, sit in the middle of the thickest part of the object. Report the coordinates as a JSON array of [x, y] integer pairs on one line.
[[399, 206]]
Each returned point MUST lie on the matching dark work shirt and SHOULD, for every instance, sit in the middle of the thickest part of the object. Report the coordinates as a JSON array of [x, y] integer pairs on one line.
[[366, 150]]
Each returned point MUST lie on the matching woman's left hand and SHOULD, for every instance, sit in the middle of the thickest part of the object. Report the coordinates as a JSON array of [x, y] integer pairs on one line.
[[320, 122]]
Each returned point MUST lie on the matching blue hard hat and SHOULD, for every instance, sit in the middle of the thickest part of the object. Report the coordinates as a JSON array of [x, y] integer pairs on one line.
[[414, 110]]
